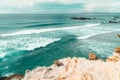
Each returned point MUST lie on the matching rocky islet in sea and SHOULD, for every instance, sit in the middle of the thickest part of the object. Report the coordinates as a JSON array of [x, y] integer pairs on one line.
[[115, 19], [82, 18]]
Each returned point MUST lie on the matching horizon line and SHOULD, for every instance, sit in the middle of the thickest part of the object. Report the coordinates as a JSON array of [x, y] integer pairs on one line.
[[66, 13]]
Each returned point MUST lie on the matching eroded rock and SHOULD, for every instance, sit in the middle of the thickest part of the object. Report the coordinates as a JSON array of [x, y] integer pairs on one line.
[[58, 63], [81, 18], [116, 55], [76, 69], [15, 77], [116, 16], [118, 35], [3, 78], [114, 21], [92, 56]]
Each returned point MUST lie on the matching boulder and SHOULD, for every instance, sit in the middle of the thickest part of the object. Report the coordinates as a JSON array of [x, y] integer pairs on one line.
[[118, 35], [117, 50], [114, 21], [116, 16], [15, 77], [113, 59], [92, 56], [58, 63], [116, 55], [81, 18], [3, 78], [87, 76]]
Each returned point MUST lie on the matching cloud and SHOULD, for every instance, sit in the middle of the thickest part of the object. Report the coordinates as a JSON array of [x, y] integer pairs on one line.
[[54, 7], [58, 6], [110, 7], [87, 1]]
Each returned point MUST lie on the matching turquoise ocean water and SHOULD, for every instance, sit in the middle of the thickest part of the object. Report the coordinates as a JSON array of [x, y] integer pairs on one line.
[[30, 40]]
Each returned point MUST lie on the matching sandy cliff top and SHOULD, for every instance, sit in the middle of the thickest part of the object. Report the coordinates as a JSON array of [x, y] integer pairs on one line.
[[76, 69], [79, 69]]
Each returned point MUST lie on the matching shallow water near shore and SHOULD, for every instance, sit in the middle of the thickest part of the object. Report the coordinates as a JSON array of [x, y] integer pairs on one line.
[[27, 41]]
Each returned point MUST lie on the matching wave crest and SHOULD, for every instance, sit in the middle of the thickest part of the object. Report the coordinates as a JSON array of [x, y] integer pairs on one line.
[[91, 35], [24, 32], [26, 43]]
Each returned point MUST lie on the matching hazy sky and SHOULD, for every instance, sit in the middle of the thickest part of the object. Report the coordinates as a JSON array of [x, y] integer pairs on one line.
[[59, 6]]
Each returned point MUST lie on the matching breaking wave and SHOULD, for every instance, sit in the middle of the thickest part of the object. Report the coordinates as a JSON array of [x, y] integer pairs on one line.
[[88, 36], [26, 43], [24, 32]]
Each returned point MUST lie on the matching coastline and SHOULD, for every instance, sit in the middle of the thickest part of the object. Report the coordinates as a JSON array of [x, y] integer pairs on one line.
[[75, 68], [28, 42]]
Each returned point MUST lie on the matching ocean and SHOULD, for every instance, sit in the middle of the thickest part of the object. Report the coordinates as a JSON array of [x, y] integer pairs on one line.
[[31, 40]]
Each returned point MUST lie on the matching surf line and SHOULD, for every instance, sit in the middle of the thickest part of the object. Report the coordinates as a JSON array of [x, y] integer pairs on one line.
[[25, 32]]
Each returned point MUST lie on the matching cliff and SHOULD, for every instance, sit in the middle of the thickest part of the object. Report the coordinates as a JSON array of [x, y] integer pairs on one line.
[[79, 69], [76, 69]]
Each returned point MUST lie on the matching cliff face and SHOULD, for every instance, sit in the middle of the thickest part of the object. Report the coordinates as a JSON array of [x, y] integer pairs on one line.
[[76, 69], [115, 57], [79, 69]]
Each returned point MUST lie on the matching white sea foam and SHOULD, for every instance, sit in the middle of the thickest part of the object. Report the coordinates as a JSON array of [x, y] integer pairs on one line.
[[2, 55], [7, 74], [87, 36], [23, 32], [23, 43]]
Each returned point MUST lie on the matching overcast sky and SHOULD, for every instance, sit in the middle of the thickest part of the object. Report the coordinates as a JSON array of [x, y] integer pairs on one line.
[[59, 6]]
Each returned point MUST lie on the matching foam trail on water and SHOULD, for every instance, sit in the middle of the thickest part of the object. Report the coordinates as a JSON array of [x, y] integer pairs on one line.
[[26, 43], [23, 32], [85, 37], [7, 74], [2, 55]]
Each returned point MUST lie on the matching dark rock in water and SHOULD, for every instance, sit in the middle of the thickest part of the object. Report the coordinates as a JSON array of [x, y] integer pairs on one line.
[[3, 78], [82, 18], [113, 21], [116, 16], [15, 77], [117, 50], [92, 56], [118, 35], [116, 55]]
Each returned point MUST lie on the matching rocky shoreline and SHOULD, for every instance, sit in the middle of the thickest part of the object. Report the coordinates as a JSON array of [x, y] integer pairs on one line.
[[93, 68]]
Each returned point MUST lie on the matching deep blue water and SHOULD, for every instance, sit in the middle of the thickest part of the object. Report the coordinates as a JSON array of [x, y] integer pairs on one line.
[[30, 40]]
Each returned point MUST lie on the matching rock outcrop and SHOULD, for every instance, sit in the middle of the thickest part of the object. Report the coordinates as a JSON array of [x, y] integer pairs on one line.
[[118, 35], [82, 18], [79, 69], [92, 56], [114, 21], [116, 56], [15, 77], [116, 16], [58, 63], [3, 78], [76, 69]]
